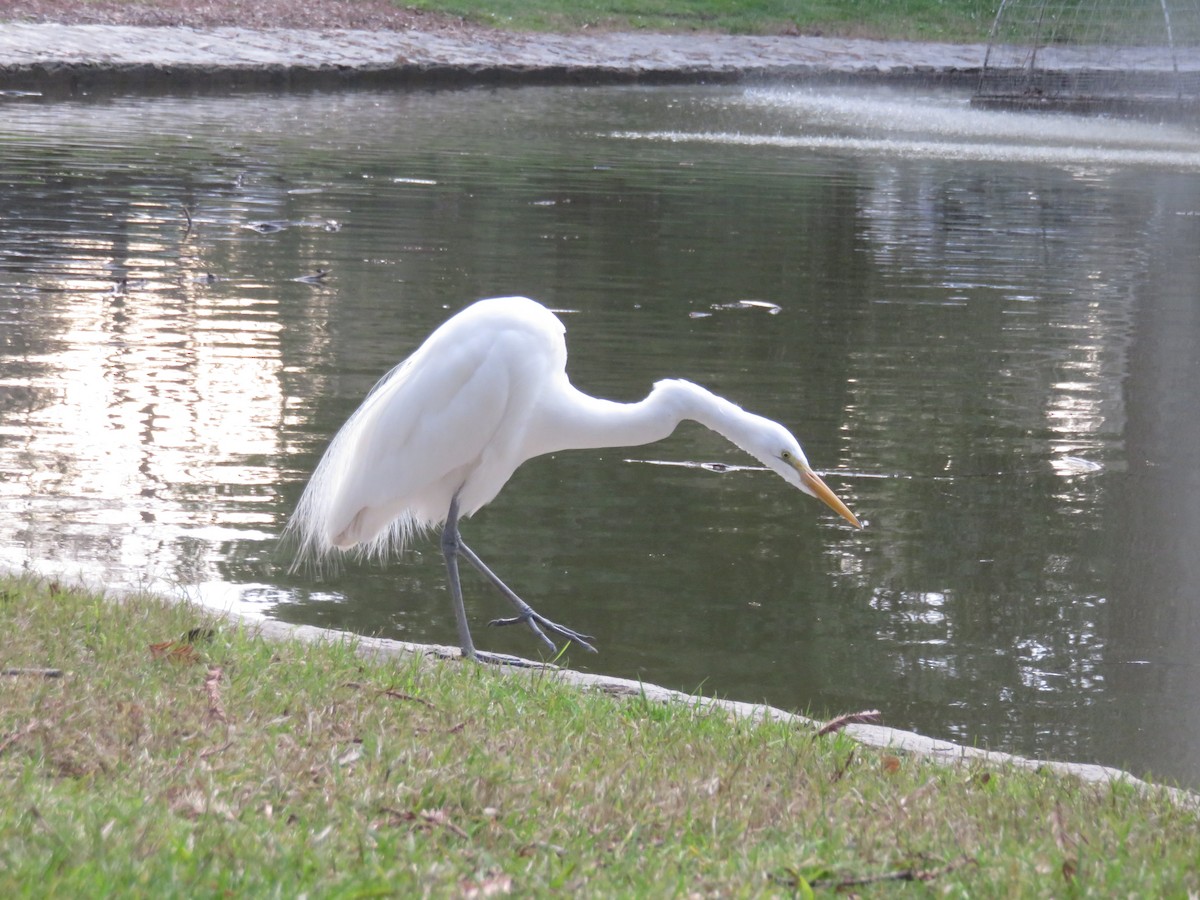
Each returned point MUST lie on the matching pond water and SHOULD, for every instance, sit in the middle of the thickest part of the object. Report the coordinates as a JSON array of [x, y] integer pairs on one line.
[[982, 326]]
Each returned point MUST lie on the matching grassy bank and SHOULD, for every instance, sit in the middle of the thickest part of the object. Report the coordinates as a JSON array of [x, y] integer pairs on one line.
[[950, 20], [165, 753]]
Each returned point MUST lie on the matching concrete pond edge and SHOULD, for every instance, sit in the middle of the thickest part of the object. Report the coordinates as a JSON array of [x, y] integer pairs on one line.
[[68, 60], [875, 736]]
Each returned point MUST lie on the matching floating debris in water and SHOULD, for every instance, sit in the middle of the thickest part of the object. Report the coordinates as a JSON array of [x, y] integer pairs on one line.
[[125, 284], [425, 181], [773, 309], [267, 227], [1068, 466], [718, 467], [274, 226]]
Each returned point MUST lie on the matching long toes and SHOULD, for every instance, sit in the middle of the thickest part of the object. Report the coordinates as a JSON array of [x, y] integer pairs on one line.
[[513, 620], [568, 634], [529, 619], [563, 631], [533, 619]]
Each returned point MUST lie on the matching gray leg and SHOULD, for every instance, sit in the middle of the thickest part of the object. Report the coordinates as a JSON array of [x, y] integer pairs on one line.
[[525, 612], [451, 546]]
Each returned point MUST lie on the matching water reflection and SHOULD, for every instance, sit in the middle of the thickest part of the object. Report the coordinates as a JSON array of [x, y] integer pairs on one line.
[[989, 352]]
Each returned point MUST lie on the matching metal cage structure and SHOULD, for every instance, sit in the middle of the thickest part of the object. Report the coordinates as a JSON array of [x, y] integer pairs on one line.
[[1120, 57]]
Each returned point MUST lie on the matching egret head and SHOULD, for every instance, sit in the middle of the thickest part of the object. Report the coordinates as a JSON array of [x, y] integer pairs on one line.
[[781, 452]]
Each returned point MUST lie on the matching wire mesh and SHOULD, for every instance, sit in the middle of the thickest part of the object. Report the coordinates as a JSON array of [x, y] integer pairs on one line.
[[1099, 55]]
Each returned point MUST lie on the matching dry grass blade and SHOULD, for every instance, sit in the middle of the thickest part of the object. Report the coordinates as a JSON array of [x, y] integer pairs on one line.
[[866, 717], [212, 687], [1065, 842], [440, 818], [1062, 839], [427, 818], [400, 695], [840, 772]]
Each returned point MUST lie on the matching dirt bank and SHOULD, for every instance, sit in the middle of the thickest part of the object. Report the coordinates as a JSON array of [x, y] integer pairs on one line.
[[370, 15]]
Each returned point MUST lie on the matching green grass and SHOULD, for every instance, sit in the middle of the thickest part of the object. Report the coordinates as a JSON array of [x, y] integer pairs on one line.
[[183, 762], [902, 19]]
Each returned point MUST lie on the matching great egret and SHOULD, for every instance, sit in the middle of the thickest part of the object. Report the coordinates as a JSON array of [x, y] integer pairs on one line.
[[441, 434]]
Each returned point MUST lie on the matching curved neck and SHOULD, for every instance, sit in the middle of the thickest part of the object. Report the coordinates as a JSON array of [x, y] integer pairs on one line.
[[579, 421]]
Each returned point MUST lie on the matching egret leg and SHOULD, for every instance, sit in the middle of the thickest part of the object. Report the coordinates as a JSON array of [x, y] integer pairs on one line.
[[451, 545], [525, 612]]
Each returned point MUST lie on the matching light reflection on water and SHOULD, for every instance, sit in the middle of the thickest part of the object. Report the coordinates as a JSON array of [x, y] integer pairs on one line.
[[991, 354]]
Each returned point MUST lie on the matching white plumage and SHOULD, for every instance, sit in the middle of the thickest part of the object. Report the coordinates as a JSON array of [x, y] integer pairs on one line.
[[440, 435]]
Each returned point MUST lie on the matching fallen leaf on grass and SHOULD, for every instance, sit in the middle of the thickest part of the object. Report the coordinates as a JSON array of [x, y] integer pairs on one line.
[[868, 717], [175, 651]]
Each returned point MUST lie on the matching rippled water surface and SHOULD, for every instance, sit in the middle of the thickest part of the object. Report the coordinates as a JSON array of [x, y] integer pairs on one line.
[[983, 327]]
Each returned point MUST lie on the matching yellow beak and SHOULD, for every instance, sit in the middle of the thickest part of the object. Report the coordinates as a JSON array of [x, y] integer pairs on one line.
[[813, 482]]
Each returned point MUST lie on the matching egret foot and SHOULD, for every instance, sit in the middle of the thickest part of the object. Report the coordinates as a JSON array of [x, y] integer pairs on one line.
[[525, 613], [533, 619]]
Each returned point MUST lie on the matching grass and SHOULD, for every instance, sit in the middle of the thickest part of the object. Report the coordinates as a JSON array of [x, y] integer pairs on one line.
[[967, 20], [182, 756]]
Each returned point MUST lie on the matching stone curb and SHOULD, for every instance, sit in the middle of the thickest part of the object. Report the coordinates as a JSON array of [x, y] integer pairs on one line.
[[78, 58]]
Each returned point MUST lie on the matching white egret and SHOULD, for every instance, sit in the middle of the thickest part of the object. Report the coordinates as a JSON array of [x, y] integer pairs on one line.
[[441, 434]]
